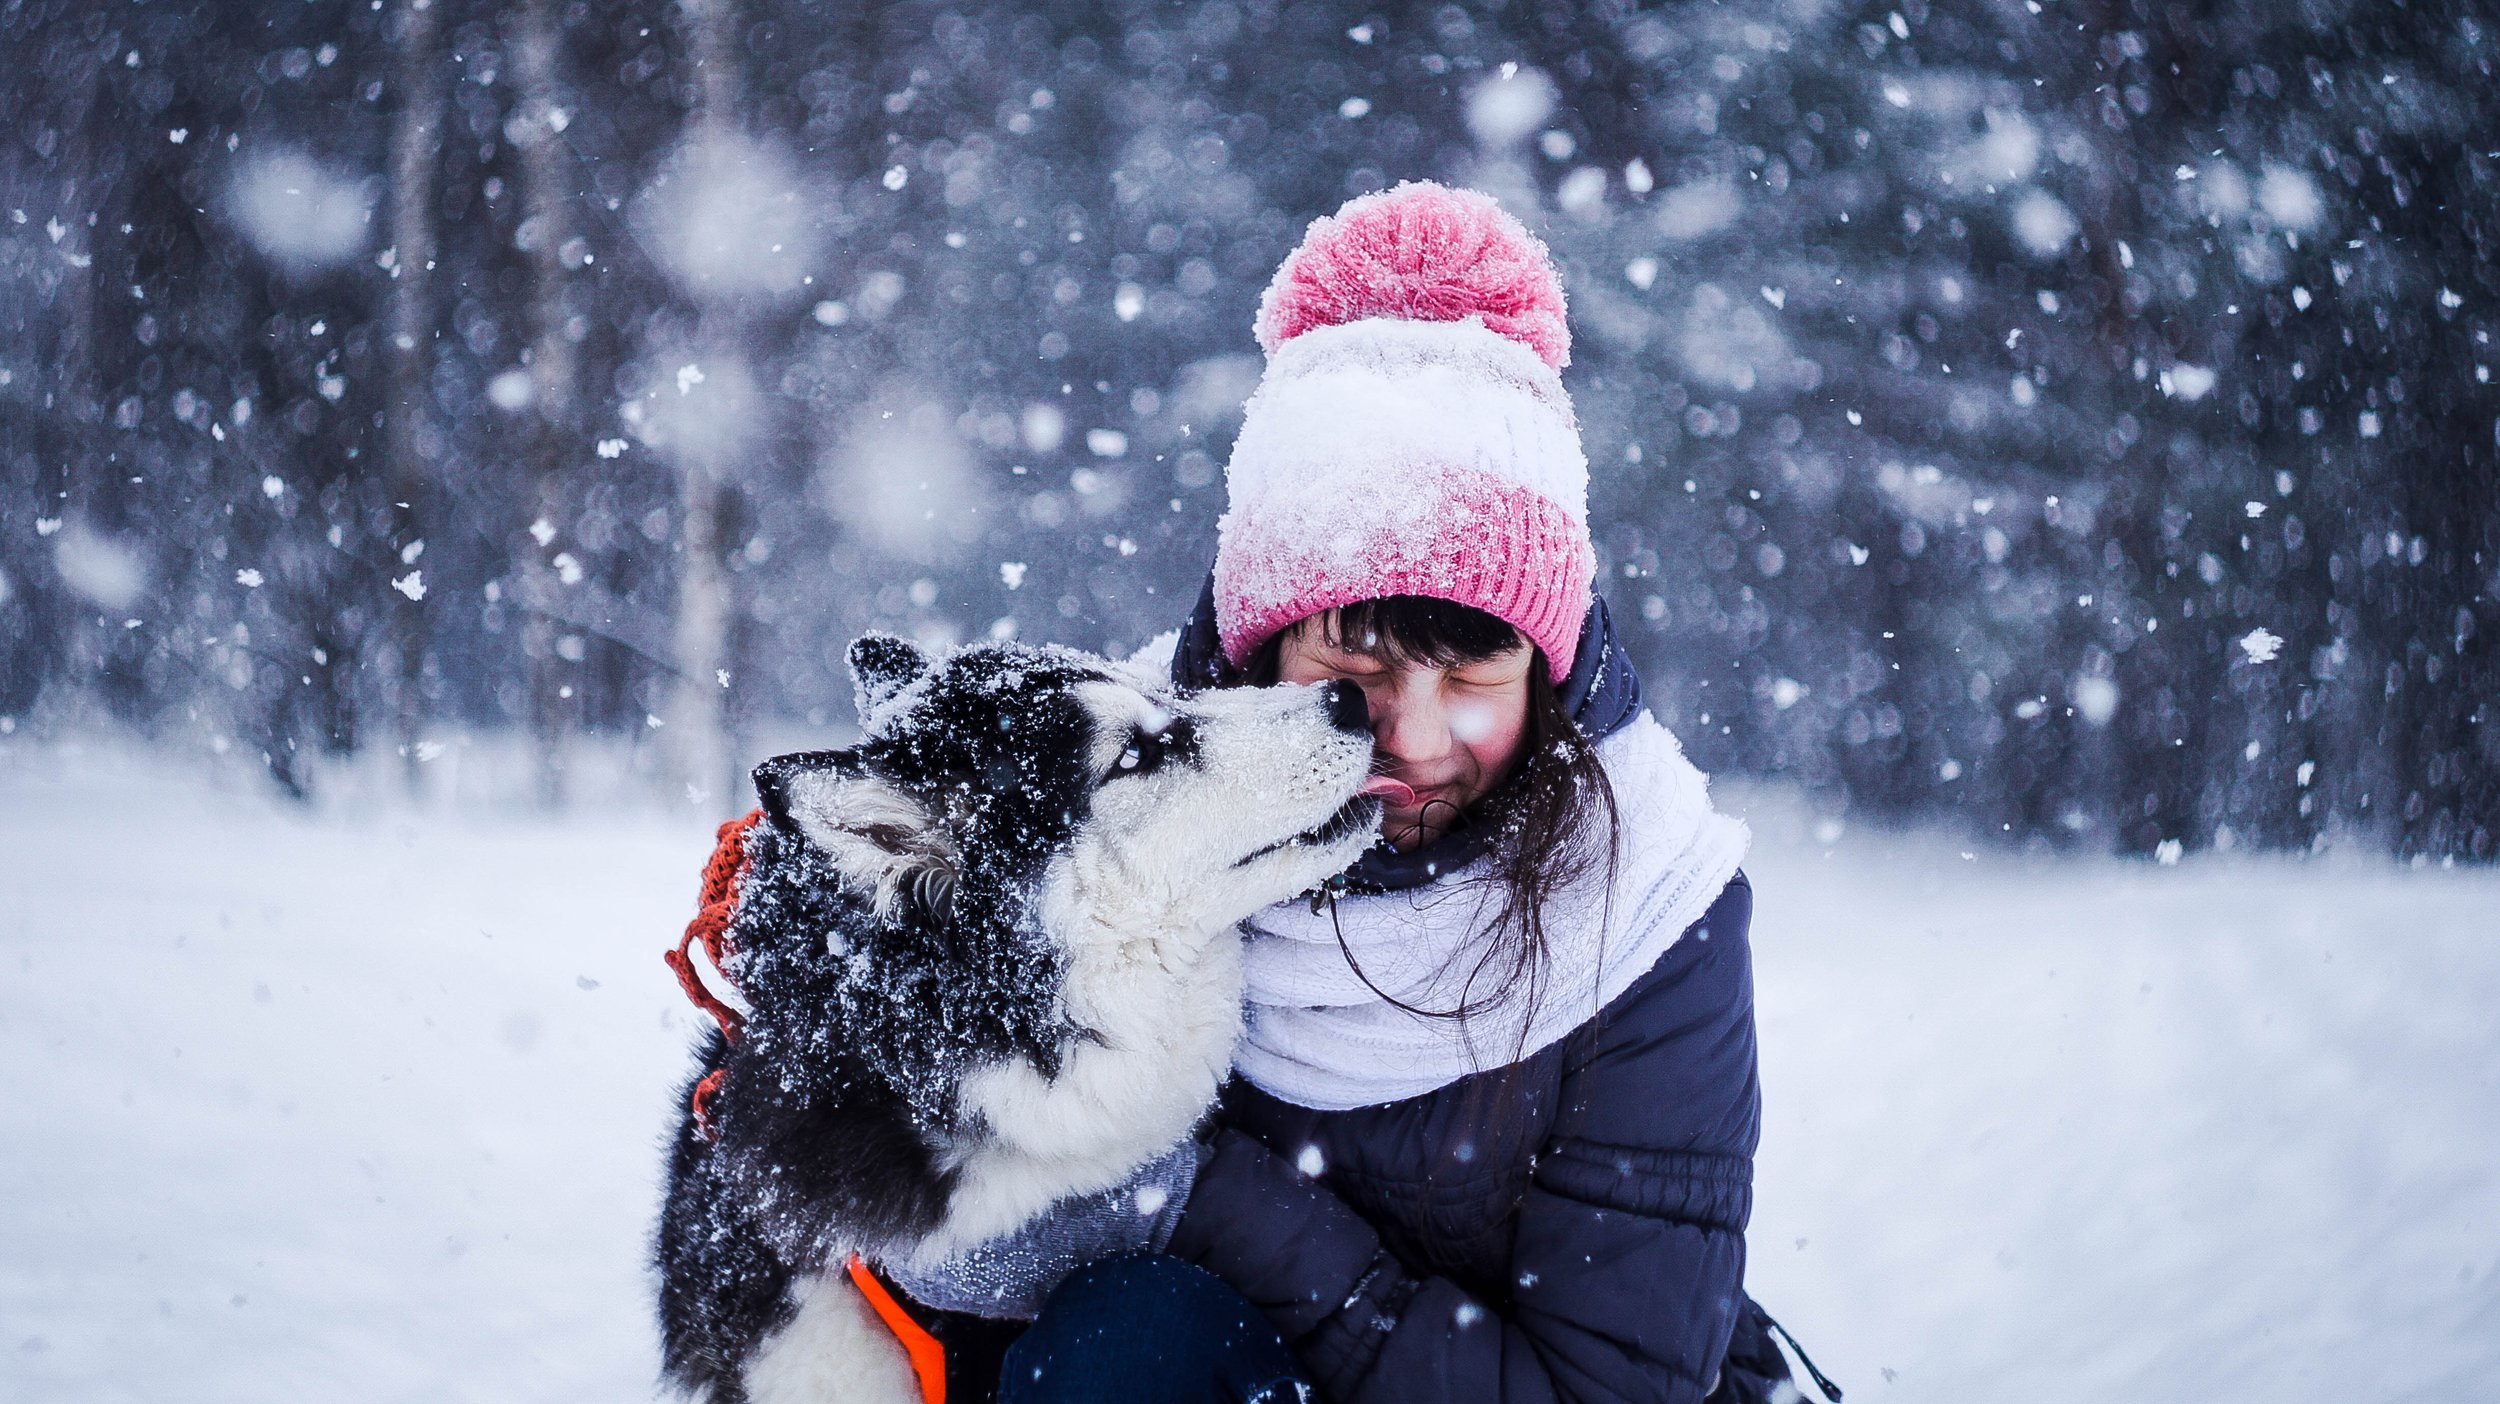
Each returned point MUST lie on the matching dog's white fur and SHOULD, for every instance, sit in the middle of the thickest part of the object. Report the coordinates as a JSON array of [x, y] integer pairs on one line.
[[835, 1350], [1145, 904]]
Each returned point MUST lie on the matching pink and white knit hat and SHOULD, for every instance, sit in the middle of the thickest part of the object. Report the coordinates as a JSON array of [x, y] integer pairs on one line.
[[1411, 435]]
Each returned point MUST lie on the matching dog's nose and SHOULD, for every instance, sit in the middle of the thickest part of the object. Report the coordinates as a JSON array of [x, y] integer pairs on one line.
[[772, 787], [1346, 708], [774, 777]]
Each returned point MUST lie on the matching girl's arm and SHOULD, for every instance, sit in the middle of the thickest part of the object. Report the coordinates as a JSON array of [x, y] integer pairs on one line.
[[1628, 1258]]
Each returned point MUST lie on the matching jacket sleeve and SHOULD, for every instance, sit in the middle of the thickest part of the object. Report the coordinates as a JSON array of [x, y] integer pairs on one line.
[[1628, 1254]]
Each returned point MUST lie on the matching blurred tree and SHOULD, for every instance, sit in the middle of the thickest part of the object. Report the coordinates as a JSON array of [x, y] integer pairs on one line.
[[415, 439], [545, 392]]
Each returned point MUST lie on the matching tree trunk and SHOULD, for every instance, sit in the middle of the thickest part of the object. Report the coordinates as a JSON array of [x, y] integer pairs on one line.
[[555, 701], [698, 733], [415, 439], [702, 752]]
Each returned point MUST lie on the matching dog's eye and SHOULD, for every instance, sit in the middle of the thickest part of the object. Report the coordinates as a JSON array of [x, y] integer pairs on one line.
[[1143, 753], [1152, 746]]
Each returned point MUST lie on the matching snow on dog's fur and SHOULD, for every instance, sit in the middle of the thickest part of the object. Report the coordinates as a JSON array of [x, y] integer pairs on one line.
[[989, 960]]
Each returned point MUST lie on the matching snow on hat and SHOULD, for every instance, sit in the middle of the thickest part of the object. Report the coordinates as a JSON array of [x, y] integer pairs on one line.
[[1411, 435]]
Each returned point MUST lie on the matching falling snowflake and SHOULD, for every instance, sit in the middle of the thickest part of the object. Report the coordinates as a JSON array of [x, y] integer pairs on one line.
[[412, 585], [2188, 382], [2261, 645]]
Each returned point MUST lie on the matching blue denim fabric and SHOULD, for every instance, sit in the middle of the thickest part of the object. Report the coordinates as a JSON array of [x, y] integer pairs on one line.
[[1149, 1330]]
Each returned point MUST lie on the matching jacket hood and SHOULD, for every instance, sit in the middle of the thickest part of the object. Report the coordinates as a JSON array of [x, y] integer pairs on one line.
[[1601, 695]]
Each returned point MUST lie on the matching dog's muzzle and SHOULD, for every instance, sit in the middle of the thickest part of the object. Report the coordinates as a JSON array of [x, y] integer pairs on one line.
[[1359, 813]]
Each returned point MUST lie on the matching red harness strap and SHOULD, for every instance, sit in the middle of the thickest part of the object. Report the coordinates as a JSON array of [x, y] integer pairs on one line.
[[713, 908]]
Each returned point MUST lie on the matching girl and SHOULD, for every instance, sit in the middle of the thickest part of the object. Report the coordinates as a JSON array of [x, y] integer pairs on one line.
[[1491, 1131]]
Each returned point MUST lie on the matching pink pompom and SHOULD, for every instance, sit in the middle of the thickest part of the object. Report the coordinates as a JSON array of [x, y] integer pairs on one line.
[[1422, 252]]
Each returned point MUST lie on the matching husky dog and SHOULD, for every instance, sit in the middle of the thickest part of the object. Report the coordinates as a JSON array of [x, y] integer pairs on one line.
[[989, 960]]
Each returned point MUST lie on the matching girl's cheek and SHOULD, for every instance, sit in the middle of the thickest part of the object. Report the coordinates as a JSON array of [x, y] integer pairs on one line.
[[1473, 723], [1491, 732]]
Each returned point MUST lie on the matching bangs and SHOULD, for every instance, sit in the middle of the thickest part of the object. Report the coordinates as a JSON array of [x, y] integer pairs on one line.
[[1404, 630]]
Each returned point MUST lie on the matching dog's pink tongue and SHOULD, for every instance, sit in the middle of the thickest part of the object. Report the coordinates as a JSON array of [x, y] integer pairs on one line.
[[1397, 794]]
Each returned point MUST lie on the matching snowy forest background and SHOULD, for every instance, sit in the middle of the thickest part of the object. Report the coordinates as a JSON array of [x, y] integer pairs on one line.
[[2069, 416], [2066, 422]]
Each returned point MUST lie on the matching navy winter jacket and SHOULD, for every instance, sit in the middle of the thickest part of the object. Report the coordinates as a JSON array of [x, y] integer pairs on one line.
[[1570, 1227]]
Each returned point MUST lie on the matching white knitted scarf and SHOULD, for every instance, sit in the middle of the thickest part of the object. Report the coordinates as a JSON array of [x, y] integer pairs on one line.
[[1319, 1036]]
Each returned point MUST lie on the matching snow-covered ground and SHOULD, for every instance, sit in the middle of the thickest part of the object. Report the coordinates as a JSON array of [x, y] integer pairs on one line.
[[366, 1103], [2100, 1131]]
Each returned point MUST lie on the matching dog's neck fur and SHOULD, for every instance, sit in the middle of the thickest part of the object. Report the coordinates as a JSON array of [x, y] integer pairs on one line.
[[1015, 1100], [1155, 1000]]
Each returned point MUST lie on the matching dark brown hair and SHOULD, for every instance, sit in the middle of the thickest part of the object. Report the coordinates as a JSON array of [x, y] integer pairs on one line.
[[1548, 824]]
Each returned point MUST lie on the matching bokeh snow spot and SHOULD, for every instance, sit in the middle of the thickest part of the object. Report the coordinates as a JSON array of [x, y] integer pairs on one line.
[[729, 216], [1503, 109], [2291, 198], [104, 571], [2043, 223], [512, 390], [1044, 427], [297, 210], [2095, 699], [2187, 382]]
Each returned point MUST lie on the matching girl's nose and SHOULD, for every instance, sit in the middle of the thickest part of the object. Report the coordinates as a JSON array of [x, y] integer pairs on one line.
[[1412, 729]]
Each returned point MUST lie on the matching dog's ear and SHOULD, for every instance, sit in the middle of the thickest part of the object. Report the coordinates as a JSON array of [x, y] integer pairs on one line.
[[883, 841], [882, 665], [1149, 669]]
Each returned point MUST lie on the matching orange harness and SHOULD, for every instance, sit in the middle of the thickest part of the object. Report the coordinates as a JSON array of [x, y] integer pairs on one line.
[[715, 905], [928, 1355]]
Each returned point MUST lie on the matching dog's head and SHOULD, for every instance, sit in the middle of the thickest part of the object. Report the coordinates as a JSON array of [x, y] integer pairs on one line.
[[1008, 776]]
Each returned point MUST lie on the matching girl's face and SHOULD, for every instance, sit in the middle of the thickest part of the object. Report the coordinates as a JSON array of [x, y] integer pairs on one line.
[[1449, 734]]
